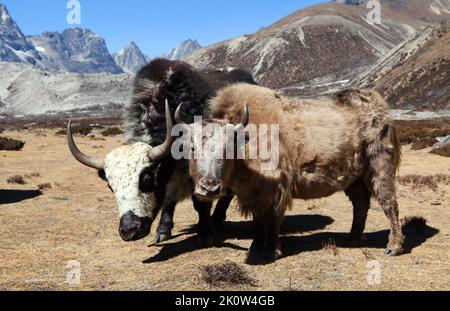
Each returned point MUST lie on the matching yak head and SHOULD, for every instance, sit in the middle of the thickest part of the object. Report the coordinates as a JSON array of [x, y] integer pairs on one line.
[[132, 173], [214, 145]]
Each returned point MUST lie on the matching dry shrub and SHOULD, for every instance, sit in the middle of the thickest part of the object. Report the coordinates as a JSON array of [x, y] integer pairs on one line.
[[422, 132], [16, 180], [414, 225], [32, 175], [331, 247], [229, 273], [112, 131], [418, 182], [424, 143], [45, 186], [8, 144]]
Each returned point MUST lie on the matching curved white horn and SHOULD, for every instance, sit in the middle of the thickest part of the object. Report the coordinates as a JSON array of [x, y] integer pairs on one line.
[[163, 150], [79, 156]]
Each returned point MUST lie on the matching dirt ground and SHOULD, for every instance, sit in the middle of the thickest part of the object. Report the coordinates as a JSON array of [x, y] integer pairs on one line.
[[43, 236]]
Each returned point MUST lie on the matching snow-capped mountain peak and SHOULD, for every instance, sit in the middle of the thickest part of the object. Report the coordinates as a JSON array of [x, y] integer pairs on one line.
[[74, 50]]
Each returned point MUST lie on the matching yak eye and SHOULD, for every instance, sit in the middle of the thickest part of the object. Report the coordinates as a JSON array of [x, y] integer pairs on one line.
[[146, 182]]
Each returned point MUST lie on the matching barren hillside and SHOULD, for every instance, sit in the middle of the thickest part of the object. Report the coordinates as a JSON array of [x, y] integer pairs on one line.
[[417, 75], [326, 42]]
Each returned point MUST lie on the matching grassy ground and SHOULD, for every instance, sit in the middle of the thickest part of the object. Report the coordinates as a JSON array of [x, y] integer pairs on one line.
[[74, 218]]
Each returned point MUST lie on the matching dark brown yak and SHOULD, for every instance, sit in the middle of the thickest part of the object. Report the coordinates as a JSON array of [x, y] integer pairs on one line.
[[345, 142]]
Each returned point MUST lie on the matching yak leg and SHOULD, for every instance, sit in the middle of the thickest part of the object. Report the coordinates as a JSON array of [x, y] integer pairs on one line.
[[220, 213], [164, 230], [384, 189], [205, 228], [259, 225], [273, 220], [360, 195]]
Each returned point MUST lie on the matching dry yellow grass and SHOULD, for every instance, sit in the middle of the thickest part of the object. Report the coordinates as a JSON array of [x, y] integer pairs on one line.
[[77, 219]]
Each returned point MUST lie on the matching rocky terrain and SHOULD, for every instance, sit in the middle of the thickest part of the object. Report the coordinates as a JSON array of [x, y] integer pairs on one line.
[[131, 58], [26, 89]]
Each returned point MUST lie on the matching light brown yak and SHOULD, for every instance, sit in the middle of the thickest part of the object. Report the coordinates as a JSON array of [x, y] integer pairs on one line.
[[345, 142]]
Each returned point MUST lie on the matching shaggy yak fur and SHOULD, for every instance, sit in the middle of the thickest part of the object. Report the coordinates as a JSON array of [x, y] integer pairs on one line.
[[345, 142], [145, 122]]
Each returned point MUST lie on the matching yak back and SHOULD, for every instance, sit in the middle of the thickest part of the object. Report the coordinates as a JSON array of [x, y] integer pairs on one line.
[[179, 83], [322, 130]]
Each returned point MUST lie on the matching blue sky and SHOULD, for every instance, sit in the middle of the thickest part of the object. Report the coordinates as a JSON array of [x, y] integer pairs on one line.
[[156, 26]]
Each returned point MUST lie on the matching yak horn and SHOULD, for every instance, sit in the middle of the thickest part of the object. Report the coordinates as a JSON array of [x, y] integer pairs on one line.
[[245, 120], [79, 156], [178, 118], [163, 150]]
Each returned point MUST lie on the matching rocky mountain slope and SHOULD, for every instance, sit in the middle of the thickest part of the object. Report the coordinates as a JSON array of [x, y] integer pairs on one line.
[[322, 44], [416, 75], [14, 47], [26, 89], [74, 50], [131, 58], [182, 51]]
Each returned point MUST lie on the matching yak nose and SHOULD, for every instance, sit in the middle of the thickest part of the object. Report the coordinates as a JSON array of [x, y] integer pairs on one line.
[[211, 186], [133, 228]]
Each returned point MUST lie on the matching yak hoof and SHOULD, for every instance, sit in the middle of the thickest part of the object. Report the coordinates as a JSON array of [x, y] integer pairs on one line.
[[273, 255], [256, 248], [396, 251], [205, 241], [263, 258], [162, 237]]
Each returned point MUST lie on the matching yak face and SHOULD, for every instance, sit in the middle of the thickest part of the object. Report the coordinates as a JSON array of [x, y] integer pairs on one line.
[[131, 172], [208, 162], [132, 177], [215, 146]]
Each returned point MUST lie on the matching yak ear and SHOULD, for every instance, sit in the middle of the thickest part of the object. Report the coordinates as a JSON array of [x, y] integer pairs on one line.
[[102, 175]]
